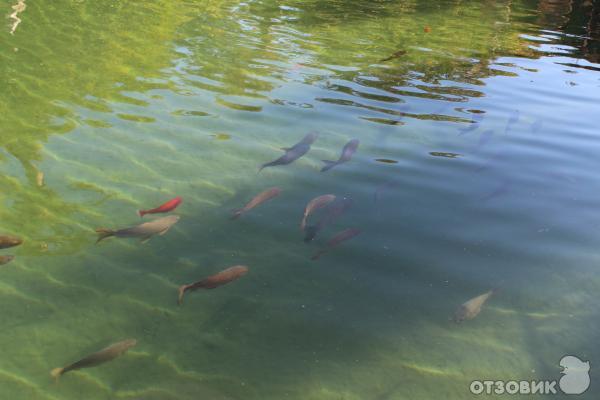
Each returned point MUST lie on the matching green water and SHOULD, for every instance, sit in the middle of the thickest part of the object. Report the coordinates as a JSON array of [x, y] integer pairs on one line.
[[123, 105]]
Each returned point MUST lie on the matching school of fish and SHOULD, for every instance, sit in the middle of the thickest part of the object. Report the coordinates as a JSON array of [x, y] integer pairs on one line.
[[329, 206]]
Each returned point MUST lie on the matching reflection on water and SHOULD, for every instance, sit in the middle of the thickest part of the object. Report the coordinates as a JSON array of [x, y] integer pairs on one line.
[[476, 169]]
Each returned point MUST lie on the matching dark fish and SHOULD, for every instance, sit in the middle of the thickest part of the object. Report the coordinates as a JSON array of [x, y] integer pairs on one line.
[[347, 152], [397, 54], [257, 200], [476, 120], [336, 240], [501, 190], [471, 308], [9, 241], [144, 231], [386, 161], [484, 138], [107, 354], [332, 213], [444, 154], [383, 187], [228, 275], [6, 259], [513, 119], [537, 125], [315, 204], [293, 153]]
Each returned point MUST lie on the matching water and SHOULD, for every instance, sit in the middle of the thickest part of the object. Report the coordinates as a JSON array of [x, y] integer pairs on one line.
[[123, 105]]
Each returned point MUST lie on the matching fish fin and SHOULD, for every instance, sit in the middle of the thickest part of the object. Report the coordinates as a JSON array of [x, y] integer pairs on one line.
[[237, 213], [145, 239], [181, 292], [57, 372], [303, 224], [141, 213], [328, 165], [103, 233], [164, 231]]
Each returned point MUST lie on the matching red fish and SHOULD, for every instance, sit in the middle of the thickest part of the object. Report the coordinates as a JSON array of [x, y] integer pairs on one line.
[[168, 206]]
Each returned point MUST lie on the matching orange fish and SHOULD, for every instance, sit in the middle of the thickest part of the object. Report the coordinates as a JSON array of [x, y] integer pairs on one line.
[[256, 201], [166, 207]]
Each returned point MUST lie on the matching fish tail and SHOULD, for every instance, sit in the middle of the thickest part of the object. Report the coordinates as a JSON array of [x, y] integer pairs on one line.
[[237, 213], [181, 292], [303, 224], [103, 233], [263, 166], [310, 233], [328, 165], [57, 372], [497, 288], [269, 164], [141, 213]]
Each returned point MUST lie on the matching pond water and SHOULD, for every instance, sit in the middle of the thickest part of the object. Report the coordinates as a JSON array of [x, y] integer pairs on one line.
[[477, 168]]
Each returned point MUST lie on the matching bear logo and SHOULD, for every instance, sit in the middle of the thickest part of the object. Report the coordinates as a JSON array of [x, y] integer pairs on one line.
[[576, 379]]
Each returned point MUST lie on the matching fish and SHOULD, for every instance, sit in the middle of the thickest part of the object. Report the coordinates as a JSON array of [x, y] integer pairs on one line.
[[347, 152], [9, 241], [315, 204], [221, 136], [484, 138], [39, 179], [444, 154], [537, 125], [513, 119], [100, 357], [221, 278], [144, 231], [6, 259], [336, 240], [256, 201], [386, 161], [471, 308], [332, 213], [397, 54], [382, 188], [166, 207], [476, 121], [503, 188], [293, 153]]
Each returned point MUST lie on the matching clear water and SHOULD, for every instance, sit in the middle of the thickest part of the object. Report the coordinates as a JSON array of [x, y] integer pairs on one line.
[[124, 105]]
